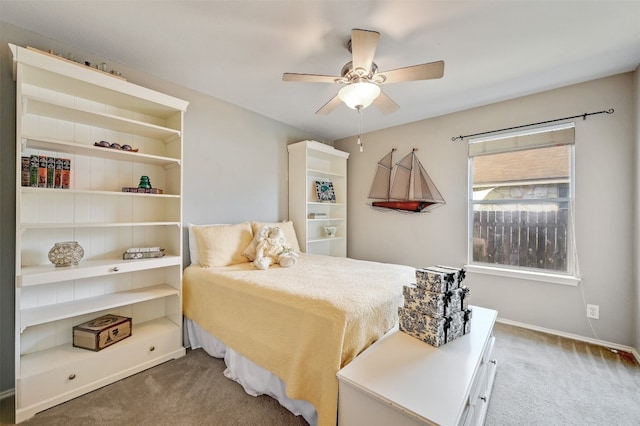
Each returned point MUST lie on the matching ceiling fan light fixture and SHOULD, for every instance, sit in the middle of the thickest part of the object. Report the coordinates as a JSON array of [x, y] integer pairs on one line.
[[359, 95]]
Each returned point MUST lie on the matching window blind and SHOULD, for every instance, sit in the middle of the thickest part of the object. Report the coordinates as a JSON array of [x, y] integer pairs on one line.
[[561, 134]]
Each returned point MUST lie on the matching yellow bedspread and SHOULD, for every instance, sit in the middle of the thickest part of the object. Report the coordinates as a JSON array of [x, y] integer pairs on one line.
[[302, 323]]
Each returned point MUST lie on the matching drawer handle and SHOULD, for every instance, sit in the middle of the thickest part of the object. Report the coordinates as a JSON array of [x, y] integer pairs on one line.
[[116, 269], [483, 398], [493, 361], [72, 376], [152, 348]]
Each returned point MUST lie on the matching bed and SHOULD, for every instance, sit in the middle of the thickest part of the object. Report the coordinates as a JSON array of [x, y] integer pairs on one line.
[[286, 332]]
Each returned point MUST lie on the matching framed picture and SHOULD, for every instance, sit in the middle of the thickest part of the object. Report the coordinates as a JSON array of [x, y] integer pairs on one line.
[[325, 191]]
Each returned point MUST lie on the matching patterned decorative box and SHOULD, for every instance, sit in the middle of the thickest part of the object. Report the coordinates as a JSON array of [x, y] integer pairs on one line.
[[101, 332], [436, 279], [458, 273], [435, 304], [434, 331]]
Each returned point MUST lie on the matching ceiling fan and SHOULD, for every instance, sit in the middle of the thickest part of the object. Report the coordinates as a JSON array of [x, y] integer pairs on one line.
[[362, 78]]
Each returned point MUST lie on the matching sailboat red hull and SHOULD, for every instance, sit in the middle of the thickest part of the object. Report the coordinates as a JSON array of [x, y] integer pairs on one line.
[[410, 206]]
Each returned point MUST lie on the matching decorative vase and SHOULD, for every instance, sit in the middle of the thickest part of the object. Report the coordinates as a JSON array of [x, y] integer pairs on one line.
[[330, 231], [144, 182], [66, 253]]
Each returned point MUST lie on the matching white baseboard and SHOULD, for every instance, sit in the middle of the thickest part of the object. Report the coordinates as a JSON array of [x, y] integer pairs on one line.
[[598, 342], [7, 394]]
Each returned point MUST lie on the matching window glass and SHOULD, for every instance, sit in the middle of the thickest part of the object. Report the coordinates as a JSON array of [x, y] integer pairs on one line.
[[520, 205]]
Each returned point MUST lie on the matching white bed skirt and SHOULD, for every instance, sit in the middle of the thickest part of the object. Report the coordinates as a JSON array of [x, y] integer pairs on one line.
[[254, 379]]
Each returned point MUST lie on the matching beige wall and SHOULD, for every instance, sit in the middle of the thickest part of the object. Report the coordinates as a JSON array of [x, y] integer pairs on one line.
[[604, 206], [235, 166]]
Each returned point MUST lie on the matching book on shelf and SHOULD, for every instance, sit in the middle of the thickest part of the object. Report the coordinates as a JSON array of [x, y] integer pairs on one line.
[[51, 169], [142, 190], [143, 249], [65, 179], [57, 175], [34, 162], [143, 255], [318, 215], [26, 174], [42, 171]]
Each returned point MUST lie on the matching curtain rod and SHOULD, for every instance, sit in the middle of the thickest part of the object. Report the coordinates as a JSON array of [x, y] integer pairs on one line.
[[584, 117]]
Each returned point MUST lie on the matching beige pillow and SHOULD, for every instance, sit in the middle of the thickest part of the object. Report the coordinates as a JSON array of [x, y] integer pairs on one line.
[[193, 243], [287, 229], [222, 245]]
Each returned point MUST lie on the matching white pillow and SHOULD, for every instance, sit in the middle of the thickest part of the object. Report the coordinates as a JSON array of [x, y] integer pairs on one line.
[[222, 245]]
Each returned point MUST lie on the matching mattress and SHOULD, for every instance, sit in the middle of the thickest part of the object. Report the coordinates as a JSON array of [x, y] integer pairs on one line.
[[302, 323]]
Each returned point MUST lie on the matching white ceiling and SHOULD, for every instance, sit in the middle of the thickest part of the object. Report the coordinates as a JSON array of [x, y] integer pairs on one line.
[[237, 50]]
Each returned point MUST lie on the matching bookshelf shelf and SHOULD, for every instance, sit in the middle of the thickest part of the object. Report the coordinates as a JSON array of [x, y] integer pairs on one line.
[[45, 108], [28, 189], [63, 310], [45, 274], [32, 142], [62, 109], [26, 226]]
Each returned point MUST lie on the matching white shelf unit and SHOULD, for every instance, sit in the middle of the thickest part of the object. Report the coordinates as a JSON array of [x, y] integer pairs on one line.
[[62, 109], [311, 161]]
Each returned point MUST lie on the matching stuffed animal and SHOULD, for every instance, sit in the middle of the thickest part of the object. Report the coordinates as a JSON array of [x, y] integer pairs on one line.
[[273, 248]]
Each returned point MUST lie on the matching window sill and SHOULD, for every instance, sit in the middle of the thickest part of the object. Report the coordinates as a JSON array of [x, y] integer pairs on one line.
[[524, 275]]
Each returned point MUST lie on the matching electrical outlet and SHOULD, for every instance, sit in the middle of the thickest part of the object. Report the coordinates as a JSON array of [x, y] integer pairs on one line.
[[593, 311]]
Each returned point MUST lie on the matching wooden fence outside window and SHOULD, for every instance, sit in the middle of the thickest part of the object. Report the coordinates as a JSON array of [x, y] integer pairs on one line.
[[531, 239]]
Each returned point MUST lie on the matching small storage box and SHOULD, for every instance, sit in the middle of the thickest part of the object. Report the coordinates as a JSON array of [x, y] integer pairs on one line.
[[435, 304], [102, 332], [436, 279], [434, 331], [459, 273]]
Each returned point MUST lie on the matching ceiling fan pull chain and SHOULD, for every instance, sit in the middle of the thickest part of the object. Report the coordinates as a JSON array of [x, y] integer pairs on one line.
[[360, 129]]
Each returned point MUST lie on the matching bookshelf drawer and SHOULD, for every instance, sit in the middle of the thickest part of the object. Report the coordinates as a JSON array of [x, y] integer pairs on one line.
[[87, 370]]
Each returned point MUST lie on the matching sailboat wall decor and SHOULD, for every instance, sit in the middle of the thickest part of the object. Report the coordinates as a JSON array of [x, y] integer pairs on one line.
[[405, 186]]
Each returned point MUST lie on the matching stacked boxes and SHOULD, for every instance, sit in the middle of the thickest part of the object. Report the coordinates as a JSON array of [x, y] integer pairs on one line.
[[436, 308]]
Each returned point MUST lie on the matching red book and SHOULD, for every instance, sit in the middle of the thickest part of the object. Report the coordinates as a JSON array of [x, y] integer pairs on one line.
[[66, 173]]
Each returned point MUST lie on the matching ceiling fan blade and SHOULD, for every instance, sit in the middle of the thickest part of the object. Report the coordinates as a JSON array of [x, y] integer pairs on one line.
[[385, 104], [309, 78], [415, 72], [363, 48], [329, 106]]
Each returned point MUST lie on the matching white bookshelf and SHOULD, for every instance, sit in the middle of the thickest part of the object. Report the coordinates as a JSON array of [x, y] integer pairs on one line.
[[62, 109], [311, 161]]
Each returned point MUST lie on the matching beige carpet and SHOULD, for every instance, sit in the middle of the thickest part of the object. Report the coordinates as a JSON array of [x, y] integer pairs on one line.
[[541, 380], [546, 380]]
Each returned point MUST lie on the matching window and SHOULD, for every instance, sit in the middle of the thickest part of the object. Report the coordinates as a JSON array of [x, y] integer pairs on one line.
[[520, 209]]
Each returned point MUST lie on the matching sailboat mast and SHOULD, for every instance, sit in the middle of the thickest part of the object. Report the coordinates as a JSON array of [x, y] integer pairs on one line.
[[411, 189]]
